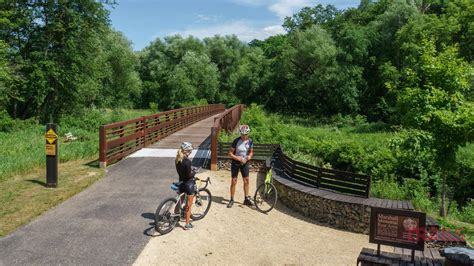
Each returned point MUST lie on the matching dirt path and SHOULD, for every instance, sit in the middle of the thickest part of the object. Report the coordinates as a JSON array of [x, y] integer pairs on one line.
[[241, 235]]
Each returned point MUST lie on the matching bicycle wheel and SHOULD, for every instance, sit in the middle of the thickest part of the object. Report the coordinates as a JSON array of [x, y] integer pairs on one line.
[[265, 197], [166, 216], [201, 205]]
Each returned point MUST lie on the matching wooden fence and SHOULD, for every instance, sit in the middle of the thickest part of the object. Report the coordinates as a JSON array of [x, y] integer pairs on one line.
[[226, 121], [340, 181], [120, 139], [329, 179], [260, 151]]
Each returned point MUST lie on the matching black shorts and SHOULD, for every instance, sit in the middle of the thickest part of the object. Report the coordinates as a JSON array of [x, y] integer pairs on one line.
[[187, 187], [236, 166]]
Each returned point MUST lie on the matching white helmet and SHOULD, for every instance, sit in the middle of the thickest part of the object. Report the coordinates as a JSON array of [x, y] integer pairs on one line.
[[187, 146], [244, 129]]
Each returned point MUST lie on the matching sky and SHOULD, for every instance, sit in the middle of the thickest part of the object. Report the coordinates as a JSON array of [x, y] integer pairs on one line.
[[142, 21]]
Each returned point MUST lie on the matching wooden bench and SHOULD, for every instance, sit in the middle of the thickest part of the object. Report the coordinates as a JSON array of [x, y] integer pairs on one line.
[[400, 256], [69, 137], [441, 238]]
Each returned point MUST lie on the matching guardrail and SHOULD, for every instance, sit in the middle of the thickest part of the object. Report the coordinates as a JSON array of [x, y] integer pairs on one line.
[[120, 139], [227, 121], [335, 180], [260, 151], [323, 178]]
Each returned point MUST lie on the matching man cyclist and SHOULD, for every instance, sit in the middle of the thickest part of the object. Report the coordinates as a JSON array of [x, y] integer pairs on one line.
[[241, 152]]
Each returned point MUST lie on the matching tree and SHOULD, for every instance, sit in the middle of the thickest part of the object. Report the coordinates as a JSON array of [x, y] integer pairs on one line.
[[251, 78], [226, 52], [431, 99], [195, 77], [54, 45], [5, 77], [121, 85], [309, 16]]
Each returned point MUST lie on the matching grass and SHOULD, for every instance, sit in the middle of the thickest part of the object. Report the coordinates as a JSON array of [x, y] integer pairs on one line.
[[24, 148], [22, 171], [24, 197]]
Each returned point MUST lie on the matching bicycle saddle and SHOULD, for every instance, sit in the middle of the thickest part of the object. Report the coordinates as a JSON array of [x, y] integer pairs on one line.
[[175, 185]]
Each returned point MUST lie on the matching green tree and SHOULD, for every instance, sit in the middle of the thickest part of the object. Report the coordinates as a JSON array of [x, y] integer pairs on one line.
[[54, 45], [309, 16], [195, 77], [316, 82], [5, 77], [251, 78], [121, 85], [432, 100], [226, 52]]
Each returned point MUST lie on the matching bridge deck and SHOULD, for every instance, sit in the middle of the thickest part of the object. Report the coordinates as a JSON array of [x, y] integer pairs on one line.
[[107, 223], [198, 134]]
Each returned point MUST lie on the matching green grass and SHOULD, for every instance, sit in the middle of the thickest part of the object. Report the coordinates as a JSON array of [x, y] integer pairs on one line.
[[24, 149], [22, 171], [24, 197]]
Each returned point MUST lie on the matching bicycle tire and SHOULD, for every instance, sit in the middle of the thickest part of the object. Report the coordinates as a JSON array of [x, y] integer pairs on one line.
[[265, 197], [164, 215], [201, 205]]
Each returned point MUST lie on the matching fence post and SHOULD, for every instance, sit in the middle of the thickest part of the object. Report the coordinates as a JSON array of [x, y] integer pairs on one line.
[[144, 131], [367, 192], [102, 147], [214, 148]]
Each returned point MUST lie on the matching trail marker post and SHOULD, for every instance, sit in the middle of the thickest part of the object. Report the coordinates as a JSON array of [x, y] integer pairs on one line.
[[51, 155]]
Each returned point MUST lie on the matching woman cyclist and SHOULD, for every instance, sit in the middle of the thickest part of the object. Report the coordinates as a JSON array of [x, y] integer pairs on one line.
[[186, 177], [241, 152]]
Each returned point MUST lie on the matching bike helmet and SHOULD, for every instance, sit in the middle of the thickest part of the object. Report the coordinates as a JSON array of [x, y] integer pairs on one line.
[[187, 146], [244, 129]]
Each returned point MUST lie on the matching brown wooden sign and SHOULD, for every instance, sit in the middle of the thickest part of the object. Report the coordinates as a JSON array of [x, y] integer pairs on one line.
[[397, 228]]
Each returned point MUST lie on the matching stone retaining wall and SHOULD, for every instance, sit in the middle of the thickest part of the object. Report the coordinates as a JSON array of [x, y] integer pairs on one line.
[[345, 215], [255, 165]]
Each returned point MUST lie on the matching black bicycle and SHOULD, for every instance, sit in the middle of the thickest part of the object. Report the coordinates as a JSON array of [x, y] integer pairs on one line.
[[171, 210]]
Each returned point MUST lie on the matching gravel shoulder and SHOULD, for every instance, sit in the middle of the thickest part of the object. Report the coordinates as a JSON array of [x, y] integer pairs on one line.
[[242, 235]]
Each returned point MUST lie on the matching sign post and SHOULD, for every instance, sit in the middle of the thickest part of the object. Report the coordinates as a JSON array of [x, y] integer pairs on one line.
[[51, 155], [397, 228]]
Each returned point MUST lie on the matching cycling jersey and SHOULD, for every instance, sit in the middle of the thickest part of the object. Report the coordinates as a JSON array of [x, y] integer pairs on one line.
[[184, 170], [242, 147]]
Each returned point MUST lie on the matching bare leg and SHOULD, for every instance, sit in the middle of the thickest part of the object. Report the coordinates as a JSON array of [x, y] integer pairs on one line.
[[246, 186], [233, 184], [188, 208]]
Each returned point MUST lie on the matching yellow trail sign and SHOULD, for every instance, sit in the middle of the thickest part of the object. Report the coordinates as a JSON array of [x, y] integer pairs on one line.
[[51, 136]]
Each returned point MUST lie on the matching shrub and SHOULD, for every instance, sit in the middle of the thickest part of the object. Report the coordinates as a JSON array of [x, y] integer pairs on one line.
[[467, 212], [6, 122]]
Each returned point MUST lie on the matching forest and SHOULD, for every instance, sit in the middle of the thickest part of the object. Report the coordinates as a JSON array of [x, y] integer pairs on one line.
[[400, 68]]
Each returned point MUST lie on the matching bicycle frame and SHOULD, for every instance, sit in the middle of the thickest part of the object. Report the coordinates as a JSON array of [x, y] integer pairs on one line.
[[268, 180]]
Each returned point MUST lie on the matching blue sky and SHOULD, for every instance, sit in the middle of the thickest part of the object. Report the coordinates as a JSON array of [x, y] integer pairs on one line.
[[142, 21]]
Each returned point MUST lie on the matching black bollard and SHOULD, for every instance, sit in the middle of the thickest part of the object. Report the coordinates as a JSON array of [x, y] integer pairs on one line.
[[51, 155]]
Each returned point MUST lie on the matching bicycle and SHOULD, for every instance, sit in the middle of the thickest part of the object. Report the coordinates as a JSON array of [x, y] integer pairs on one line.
[[171, 210], [266, 195]]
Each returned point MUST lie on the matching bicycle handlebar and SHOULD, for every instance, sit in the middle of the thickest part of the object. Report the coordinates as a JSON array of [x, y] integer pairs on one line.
[[207, 181]]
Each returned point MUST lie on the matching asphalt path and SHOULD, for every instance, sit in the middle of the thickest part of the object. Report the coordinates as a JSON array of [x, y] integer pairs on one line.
[[105, 224], [109, 222]]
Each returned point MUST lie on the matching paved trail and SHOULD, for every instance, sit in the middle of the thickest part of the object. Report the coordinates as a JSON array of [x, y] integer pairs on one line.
[[241, 235]]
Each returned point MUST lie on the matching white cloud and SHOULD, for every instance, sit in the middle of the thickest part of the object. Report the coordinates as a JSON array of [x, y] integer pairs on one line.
[[242, 29], [285, 8], [207, 18], [274, 30]]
